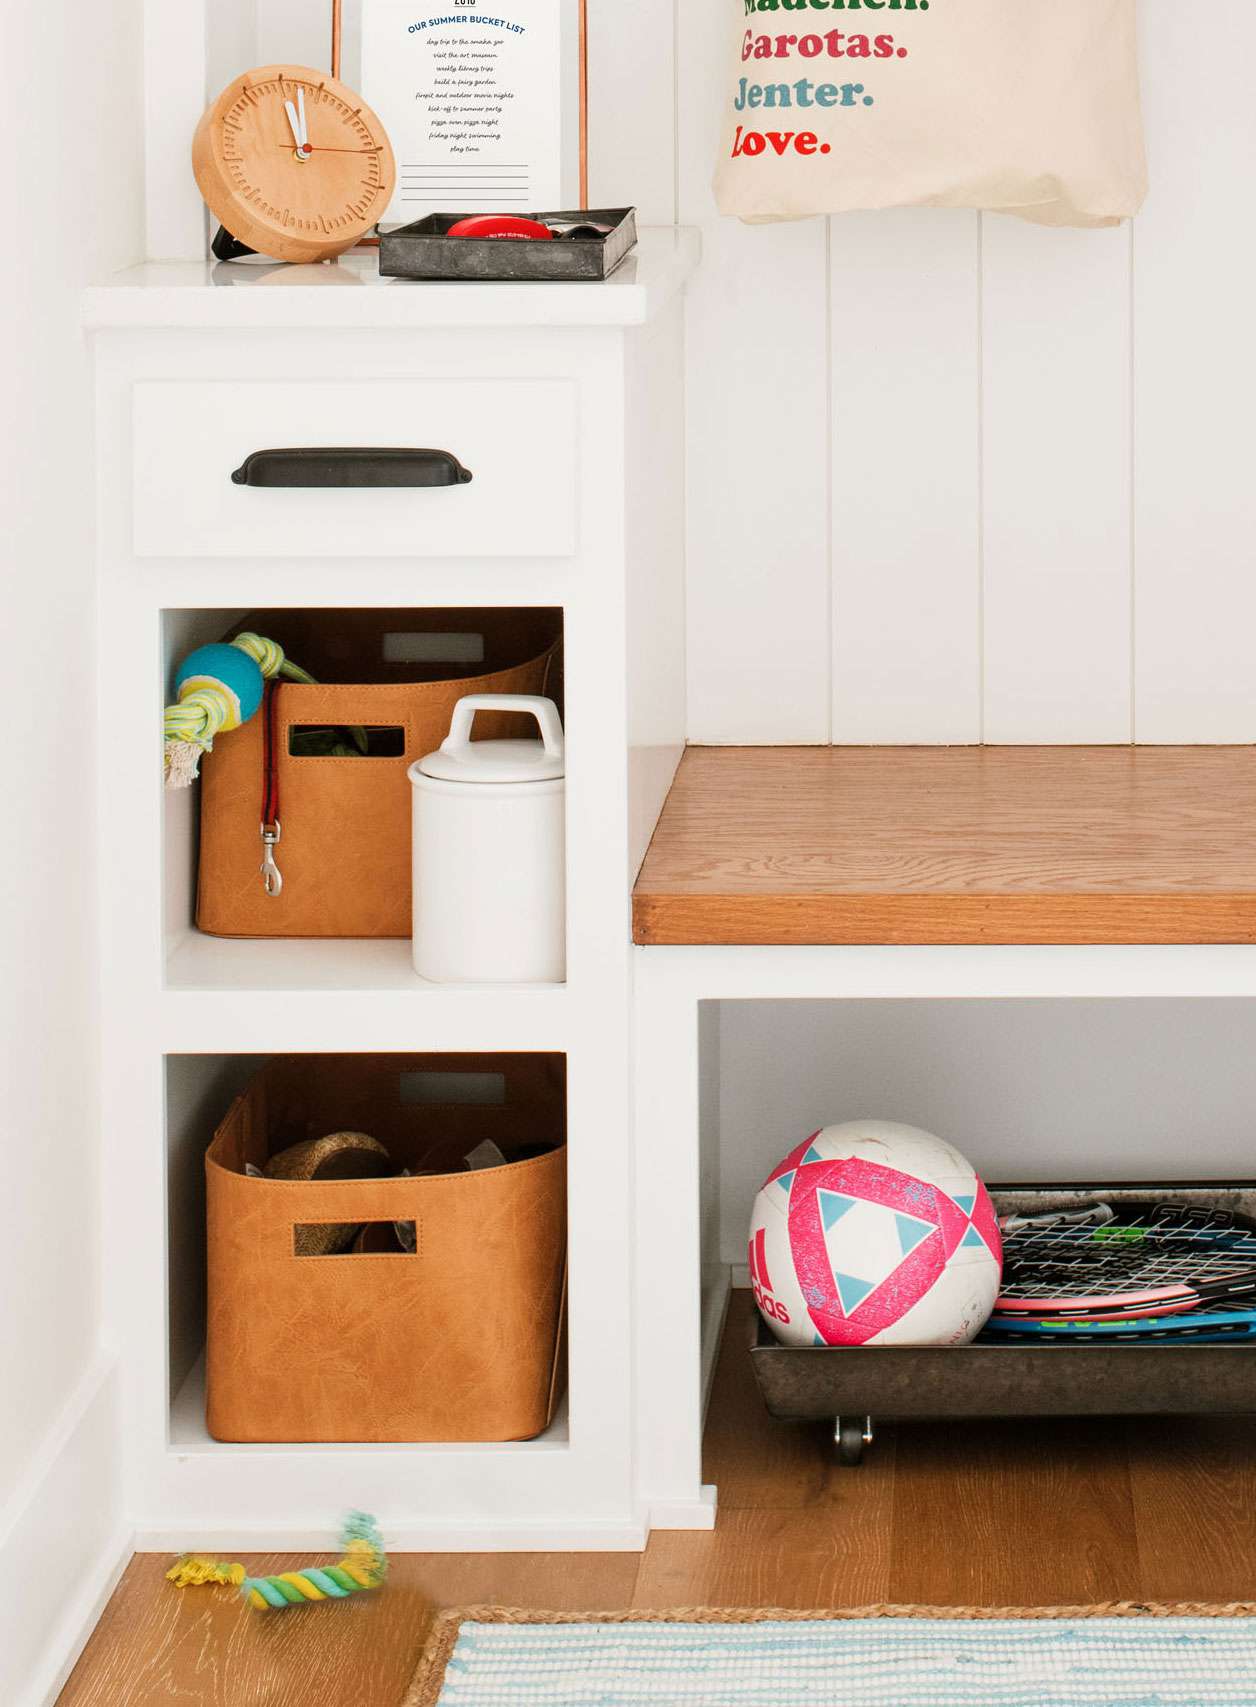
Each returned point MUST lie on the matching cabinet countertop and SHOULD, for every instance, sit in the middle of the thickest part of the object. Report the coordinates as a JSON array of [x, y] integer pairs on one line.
[[349, 294]]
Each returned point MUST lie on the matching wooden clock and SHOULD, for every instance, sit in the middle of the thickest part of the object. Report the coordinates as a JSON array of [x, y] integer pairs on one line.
[[293, 164]]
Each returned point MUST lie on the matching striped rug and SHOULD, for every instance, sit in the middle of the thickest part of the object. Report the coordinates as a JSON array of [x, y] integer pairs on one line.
[[1111, 1656]]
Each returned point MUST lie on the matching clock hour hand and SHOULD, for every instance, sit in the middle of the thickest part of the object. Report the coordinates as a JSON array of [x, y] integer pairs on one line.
[[297, 128]]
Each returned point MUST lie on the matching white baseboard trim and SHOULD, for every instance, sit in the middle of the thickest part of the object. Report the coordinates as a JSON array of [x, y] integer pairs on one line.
[[685, 1514], [407, 1537], [63, 1543], [81, 1616]]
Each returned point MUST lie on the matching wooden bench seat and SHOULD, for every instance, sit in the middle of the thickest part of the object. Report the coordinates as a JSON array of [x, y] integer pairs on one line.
[[844, 845]]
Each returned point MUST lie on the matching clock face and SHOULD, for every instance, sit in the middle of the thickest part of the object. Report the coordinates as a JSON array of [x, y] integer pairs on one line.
[[293, 163]]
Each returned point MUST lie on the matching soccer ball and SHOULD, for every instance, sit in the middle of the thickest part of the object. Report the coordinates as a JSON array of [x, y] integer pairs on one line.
[[872, 1233]]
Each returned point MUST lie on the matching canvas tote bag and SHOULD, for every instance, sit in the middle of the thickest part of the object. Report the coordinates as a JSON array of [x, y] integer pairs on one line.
[[1029, 107]]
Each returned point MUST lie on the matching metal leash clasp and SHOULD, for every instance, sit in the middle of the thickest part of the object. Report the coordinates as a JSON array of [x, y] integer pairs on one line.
[[272, 877]]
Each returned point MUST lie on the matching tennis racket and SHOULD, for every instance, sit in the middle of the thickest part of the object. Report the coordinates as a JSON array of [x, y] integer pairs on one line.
[[1147, 1260], [1211, 1325]]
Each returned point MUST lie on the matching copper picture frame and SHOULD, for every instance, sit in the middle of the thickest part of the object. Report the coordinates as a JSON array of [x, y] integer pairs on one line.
[[337, 33]]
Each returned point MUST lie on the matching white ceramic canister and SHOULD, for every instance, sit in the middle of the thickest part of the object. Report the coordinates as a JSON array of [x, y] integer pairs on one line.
[[488, 850]]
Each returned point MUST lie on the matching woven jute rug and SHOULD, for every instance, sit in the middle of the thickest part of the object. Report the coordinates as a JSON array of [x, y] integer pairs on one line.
[[872, 1656]]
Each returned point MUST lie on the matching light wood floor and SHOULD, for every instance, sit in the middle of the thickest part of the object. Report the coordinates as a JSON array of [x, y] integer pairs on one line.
[[1000, 1514]]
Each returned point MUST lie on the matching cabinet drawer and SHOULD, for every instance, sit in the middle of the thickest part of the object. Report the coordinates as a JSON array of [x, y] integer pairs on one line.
[[516, 438]]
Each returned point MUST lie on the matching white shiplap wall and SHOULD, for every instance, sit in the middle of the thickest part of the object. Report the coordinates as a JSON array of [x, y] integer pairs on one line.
[[953, 477]]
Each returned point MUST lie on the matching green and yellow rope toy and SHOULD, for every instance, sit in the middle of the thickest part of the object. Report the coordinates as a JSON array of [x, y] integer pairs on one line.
[[218, 687], [364, 1566]]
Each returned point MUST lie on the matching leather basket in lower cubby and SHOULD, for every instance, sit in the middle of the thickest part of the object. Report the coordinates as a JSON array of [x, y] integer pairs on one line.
[[460, 1340]]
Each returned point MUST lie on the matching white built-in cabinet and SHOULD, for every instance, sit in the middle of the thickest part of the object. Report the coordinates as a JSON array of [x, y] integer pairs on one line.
[[567, 403]]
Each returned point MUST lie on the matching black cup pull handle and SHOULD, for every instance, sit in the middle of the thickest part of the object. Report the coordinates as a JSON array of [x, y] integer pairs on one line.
[[324, 466]]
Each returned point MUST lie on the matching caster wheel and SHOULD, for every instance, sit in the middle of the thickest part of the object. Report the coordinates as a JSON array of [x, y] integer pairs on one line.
[[850, 1436]]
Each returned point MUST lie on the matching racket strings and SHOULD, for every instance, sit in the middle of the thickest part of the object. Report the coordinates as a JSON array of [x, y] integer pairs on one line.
[[1073, 1271], [1122, 1259]]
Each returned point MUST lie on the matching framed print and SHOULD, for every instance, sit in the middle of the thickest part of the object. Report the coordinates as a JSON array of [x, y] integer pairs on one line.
[[484, 101]]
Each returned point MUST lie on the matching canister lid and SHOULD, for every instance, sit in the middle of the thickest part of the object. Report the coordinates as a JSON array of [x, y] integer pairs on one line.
[[460, 759]]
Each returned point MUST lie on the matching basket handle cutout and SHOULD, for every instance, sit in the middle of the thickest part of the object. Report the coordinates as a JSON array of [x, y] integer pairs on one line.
[[342, 741], [433, 648], [452, 1090], [370, 1239]]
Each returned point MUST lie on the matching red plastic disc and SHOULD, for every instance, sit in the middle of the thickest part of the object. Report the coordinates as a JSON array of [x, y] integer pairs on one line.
[[498, 225]]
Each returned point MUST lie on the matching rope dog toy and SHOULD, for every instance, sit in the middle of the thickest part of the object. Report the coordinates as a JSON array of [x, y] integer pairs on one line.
[[364, 1566], [219, 687]]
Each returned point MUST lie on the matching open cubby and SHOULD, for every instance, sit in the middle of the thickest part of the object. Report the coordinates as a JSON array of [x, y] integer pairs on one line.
[[369, 646], [1053, 1093], [465, 1098]]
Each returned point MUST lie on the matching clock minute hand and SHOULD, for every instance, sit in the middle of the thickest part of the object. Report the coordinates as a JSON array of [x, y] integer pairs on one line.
[[295, 126]]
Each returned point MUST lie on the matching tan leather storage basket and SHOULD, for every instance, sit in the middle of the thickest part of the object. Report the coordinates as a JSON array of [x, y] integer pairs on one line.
[[344, 849], [459, 1340]]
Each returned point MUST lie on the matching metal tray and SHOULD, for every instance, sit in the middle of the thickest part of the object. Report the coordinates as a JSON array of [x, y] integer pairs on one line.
[[856, 1384], [423, 251]]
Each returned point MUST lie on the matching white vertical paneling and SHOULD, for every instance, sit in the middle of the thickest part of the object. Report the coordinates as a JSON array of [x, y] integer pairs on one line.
[[905, 500], [230, 42], [758, 571], [1056, 395], [757, 349], [174, 99], [632, 107], [298, 32], [1194, 383]]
